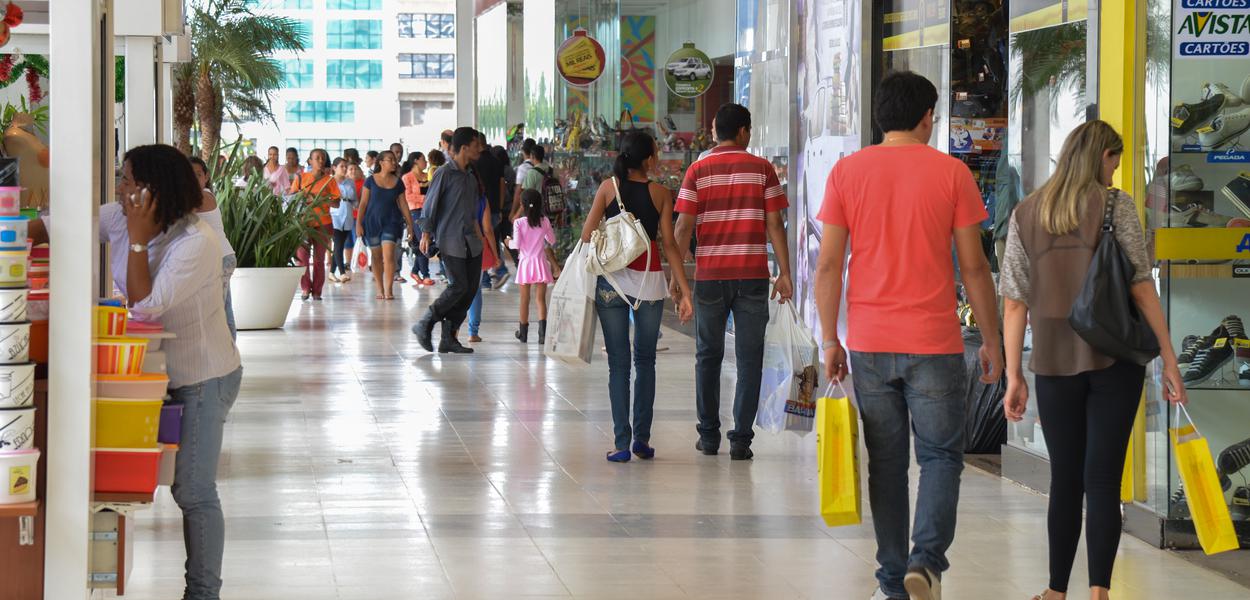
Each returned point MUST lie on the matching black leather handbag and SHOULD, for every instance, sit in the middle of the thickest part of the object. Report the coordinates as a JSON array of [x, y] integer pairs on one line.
[[1104, 314]]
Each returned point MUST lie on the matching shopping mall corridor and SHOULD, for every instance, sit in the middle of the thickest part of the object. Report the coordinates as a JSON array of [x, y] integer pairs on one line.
[[359, 467]]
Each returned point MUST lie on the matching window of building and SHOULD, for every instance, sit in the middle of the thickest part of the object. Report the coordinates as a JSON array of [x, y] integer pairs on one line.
[[279, 4], [354, 4], [427, 66], [353, 74], [333, 146], [320, 111], [354, 34], [305, 30], [412, 112], [427, 25], [297, 73]]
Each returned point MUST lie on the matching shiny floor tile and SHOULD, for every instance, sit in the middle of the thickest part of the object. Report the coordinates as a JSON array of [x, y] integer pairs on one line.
[[358, 467]]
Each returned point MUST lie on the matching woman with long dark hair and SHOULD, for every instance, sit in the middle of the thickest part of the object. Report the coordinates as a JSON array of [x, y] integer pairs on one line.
[[1087, 401], [645, 289], [323, 194], [384, 216]]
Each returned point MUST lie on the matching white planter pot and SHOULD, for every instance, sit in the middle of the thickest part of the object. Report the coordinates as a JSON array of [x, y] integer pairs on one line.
[[262, 297]]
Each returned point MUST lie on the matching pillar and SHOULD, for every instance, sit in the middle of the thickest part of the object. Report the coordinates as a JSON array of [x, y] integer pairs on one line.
[[141, 97], [466, 91]]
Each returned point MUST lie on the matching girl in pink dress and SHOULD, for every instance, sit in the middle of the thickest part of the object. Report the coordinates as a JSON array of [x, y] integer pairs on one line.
[[531, 235]]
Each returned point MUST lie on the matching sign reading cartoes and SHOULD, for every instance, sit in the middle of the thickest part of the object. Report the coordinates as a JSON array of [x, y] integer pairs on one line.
[[689, 72], [580, 59], [1211, 28]]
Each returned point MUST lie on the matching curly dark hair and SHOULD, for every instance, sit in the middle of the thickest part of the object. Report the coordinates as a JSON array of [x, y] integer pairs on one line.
[[167, 174]]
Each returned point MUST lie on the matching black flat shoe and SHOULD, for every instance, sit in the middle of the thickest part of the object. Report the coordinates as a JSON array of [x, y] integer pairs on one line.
[[705, 449], [740, 453], [454, 347], [424, 330]]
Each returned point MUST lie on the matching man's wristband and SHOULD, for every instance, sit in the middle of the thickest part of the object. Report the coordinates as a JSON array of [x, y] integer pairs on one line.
[[829, 344]]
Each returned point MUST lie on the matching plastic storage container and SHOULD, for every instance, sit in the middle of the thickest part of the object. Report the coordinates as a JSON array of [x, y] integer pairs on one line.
[[14, 343], [13, 232], [171, 424], [169, 463], [126, 470], [127, 423], [13, 304], [155, 363], [141, 387], [17, 429], [10, 201], [13, 268], [17, 385], [17, 476], [120, 356], [39, 341], [110, 321]]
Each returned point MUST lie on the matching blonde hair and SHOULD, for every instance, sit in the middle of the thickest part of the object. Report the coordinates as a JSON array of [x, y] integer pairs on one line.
[[1076, 177]]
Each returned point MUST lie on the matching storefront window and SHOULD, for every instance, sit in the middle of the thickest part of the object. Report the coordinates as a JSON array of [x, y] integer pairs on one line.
[[916, 37]]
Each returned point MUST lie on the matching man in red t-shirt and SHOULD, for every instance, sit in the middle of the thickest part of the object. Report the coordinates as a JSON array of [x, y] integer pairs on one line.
[[735, 204], [902, 204]]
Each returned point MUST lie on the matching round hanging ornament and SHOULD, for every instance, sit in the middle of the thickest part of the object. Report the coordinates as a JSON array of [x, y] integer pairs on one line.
[[689, 72], [580, 59]]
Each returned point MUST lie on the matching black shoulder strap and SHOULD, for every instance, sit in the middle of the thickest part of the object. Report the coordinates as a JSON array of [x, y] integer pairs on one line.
[[1108, 215]]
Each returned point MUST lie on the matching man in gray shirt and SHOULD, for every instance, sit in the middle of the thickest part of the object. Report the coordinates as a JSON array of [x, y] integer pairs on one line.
[[451, 221]]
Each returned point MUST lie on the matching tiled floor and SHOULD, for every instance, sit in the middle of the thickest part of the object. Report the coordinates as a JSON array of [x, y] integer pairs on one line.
[[359, 467]]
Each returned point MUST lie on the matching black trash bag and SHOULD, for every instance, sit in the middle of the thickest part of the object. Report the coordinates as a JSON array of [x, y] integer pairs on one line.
[[985, 427]]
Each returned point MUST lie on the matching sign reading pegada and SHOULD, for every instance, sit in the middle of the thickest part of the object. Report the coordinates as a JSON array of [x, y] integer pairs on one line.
[[1211, 28]]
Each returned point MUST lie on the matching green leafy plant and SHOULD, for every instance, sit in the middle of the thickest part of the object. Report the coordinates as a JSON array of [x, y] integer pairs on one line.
[[39, 114], [264, 229]]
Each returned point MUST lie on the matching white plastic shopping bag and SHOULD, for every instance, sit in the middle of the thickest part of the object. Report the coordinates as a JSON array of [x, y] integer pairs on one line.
[[571, 311], [791, 373]]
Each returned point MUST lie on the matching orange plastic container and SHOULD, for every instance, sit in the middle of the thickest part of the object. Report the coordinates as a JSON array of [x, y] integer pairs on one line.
[[126, 470], [120, 356], [149, 386], [110, 321]]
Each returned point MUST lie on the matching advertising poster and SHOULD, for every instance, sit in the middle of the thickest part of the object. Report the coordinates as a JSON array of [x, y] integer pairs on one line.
[[828, 127], [1211, 29], [688, 72], [580, 59], [974, 136], [1036, 14], [638, 67], [908, 24], [1211, 79]]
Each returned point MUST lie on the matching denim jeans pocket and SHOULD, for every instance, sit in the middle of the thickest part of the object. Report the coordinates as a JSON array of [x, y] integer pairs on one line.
[[938, 376], [709, 292], [605, 295]]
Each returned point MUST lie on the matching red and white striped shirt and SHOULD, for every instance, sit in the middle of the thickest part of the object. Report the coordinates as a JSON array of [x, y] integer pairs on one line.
[[729, 192]]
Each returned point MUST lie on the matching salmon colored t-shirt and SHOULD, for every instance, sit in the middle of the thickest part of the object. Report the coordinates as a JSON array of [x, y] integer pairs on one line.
[[902, 205], [320, 186]]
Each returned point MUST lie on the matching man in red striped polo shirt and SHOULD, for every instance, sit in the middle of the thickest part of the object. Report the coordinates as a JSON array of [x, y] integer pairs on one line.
[[735, 205]]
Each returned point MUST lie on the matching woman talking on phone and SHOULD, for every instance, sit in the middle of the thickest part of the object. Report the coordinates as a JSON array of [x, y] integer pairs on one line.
[[1087, 400]]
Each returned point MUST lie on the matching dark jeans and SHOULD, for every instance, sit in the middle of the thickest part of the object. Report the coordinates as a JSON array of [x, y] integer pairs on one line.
[[338, 263], [1087, 420], [614, 313], [420, 262], [451, 307], [714, 301], [925, 391]]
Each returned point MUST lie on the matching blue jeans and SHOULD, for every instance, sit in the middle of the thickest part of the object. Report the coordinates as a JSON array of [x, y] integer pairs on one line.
[[714, 302], [475, 312], [614, 316], [205, 406], [925, 391], [420, 263]]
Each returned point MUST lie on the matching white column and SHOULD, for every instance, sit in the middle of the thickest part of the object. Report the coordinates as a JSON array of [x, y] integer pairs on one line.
[[81, 120], [466, 88], [141, 88], [164, 102]]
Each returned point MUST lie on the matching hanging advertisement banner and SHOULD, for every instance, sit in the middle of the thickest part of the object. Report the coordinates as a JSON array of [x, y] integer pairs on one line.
[[580, 59], [688, 72], [1204, 29], [908, 24], [1027, 15]]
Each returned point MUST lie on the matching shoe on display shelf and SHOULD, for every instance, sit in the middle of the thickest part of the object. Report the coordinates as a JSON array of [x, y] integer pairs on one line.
[[1243, 366], [1224, 129], [1239, 508], [1245, 89], [1183, 179], [1196, 215], [1231, 100], [1237, 191], [1188, 117], [1215, 350], [1178, 504], [1231, 461], [1189, 347]]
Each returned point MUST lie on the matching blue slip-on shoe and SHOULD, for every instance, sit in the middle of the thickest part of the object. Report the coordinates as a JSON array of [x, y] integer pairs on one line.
[[643, 451], [618, 456]]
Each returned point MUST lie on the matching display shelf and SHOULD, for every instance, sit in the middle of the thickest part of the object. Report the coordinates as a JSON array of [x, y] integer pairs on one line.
[[122, 497], [25, 509]]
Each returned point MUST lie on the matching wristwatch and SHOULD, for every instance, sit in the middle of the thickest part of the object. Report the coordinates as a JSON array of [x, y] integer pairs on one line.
[[138, 248]]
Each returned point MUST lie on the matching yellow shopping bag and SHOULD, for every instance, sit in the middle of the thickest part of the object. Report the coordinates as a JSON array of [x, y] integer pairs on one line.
[[837, 461], [1202, 487]]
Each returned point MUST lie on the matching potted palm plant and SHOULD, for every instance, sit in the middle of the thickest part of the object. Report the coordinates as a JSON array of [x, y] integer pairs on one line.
[[266, 231]]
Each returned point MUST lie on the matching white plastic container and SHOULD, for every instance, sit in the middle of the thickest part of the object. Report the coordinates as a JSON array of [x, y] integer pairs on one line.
[[17, 476], [13, 268], [14, 343], [17, 385], [13, 305], [13, 232], [10, 201], [154, 362], [169, 460], [17, 429]]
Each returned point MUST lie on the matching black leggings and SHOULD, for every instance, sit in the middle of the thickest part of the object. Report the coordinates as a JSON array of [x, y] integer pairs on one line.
[[1087, 420], [339, 264]]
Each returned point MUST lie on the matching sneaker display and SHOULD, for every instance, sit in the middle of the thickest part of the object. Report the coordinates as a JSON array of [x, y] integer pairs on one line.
[[1188, 117], [1239, 508], [1232, 460], [1224, 129], [1234, 327], [1231, 100], [1215, 350], [1238, 192], [1178, 505], [1196, 215], [1183, 179], [1189, 347]]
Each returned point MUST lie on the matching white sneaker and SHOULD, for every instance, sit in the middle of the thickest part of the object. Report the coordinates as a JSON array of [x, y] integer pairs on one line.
[[922, 584], [1231, 100], [880, 595], [1224, 129], [1183, 179]]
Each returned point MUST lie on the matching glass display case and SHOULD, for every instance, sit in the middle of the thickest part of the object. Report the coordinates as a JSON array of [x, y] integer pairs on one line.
[[1197, 157]]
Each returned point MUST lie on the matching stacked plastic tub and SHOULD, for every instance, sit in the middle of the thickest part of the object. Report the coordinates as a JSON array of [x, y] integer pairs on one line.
[[129, 405], [19, 458]]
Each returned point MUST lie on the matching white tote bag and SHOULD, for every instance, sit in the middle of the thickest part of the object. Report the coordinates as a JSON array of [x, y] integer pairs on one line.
[[571, 312], [790, 373]]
